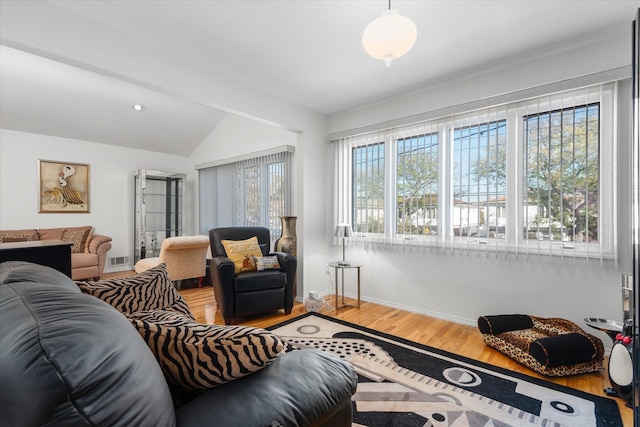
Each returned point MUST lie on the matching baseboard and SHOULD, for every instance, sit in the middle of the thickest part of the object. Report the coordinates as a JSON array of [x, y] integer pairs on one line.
[[430, 313], [117, 269], [417, 310]]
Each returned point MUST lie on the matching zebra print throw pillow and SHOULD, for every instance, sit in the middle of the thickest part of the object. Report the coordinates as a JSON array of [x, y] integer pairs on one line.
[[197, 357], [149, 290]]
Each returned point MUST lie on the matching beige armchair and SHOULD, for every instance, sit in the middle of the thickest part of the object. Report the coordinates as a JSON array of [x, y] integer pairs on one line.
[[184, 256]]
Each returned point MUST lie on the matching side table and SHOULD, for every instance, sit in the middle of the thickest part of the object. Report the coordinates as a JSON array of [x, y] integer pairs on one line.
[[610, 327], [342, 266], [620, 366]]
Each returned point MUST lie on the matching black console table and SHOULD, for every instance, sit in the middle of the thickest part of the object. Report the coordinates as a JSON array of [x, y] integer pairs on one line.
[[52, 253]]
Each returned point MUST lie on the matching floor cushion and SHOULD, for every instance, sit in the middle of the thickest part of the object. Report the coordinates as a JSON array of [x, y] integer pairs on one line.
[[549, 346]]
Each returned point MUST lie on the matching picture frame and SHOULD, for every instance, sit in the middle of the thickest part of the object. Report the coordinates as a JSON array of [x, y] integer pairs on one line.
[[63, 187]]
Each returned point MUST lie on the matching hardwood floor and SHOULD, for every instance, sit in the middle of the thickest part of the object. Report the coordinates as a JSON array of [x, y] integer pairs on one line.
[[453, 337]]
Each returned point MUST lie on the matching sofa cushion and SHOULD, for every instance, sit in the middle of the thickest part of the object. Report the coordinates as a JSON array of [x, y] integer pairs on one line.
[[255, 281], [26, 235], [242, 253], [24, 271], [149, 290], [195, 356], [56, 233], [315, 383], [70, 359], [77, 238]]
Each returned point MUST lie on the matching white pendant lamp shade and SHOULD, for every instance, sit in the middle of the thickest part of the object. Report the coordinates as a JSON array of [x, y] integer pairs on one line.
[[389, 37]]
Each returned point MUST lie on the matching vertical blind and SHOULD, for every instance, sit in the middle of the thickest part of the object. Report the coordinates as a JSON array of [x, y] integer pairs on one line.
[[533, 177], [251, 192]]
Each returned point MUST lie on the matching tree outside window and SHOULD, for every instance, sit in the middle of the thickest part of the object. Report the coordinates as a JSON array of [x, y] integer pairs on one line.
[[479, 181], [417, 185], [562, 173], [368, 188]]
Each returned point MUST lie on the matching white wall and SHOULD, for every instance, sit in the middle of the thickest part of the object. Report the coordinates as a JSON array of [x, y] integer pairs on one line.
[[602, 55], [104, 50], [461, 286], [110, 188], [234, 136]]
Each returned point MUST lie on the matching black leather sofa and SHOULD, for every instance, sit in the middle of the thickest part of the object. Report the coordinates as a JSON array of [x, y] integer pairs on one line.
[[69, 359], [255, 292]]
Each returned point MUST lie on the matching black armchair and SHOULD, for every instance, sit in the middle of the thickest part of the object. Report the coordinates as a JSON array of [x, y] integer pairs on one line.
[[252, 292]]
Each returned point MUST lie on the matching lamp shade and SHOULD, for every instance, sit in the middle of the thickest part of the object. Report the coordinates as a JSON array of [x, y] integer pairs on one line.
[[389, 37], [343, 230]]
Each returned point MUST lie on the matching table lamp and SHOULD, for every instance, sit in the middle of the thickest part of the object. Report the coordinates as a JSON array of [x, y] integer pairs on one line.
[[343, 231]]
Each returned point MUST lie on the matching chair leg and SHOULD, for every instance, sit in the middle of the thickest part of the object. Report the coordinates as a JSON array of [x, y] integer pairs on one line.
[[200, 280]]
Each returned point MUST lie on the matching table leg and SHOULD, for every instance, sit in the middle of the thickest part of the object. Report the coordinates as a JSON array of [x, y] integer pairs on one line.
[[336, 307], [358, 287], [342, 285]]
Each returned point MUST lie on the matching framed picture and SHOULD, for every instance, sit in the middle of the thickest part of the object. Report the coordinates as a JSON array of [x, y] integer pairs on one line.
[[64, 187]]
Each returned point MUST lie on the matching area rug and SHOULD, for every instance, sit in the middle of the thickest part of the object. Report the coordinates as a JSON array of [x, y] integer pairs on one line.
[[403, 383]]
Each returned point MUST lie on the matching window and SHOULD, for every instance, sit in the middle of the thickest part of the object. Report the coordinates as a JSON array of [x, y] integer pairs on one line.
[[562, 174], [417, 185], [368, 188], [532, 176], [479, 180], [250, 192]]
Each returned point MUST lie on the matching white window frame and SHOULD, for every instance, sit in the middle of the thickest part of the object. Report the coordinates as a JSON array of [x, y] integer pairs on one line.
[[513, 113], [606, 185]]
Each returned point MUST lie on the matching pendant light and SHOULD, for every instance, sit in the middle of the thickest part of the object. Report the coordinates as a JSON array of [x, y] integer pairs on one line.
[[390, 36]]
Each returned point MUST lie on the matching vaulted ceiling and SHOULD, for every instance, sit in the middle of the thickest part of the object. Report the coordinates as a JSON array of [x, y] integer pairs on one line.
[[306, 51]]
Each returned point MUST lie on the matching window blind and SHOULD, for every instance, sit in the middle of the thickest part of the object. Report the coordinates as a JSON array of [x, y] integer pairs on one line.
[[532, 177], [251, 192]]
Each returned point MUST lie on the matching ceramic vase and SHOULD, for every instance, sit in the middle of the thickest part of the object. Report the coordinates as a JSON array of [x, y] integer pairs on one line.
[[287, 242]]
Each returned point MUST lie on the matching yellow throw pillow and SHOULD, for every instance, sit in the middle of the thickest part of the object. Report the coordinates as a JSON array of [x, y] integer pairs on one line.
[[242, 252]]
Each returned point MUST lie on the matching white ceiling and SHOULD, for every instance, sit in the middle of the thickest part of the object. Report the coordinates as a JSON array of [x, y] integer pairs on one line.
[[306, 51]]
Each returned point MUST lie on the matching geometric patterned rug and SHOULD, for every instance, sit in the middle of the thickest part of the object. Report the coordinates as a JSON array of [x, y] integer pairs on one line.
[[404, 383]]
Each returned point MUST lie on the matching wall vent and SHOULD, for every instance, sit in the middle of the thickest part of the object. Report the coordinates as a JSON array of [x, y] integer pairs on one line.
[[118, 260]]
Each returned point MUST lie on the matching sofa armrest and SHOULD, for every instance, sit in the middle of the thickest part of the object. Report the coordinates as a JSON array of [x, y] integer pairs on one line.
[[288, 264], [222, 271], [498, 324], [286, 261], [300, 388], [100, 245], [96, 241]]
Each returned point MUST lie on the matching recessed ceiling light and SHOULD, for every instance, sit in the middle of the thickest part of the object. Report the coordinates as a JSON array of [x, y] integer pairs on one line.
[[138, 107]]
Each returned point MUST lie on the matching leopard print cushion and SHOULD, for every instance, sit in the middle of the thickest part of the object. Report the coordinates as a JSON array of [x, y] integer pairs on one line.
[[516, 345], [10, 236], [555, 325], [522, 338], [77, 238], [526, 359]]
